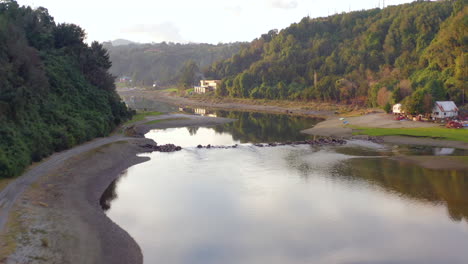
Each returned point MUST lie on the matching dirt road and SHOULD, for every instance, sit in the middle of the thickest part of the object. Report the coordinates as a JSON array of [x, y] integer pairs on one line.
[[14, 190]]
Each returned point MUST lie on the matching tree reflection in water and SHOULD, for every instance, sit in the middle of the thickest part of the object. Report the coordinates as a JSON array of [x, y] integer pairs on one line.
[[261, 127], [110, 194], [435, 186]]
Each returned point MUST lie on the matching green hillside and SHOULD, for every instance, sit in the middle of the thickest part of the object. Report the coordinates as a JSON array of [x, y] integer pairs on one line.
[[55, 90], [371, 57], [161, 63]]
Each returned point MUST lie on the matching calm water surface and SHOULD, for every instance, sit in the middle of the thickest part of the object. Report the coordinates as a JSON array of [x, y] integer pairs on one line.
[[288, 204]]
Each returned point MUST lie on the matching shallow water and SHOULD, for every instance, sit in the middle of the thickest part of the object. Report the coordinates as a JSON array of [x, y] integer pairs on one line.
[[288, 204]]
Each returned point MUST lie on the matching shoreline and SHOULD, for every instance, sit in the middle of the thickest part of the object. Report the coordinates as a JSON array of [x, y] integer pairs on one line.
[[286, 107], [57, 217], [331, 126]]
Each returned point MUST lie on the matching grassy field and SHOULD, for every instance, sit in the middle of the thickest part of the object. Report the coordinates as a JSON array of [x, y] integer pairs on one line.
[[429, 132], [141, 116], [164, 120], [170, 90]]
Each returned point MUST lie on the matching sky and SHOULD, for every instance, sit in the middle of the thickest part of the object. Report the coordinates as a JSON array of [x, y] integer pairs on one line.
[[198, 21]]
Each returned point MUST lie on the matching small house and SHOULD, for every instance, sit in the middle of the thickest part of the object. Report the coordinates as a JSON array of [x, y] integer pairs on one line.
[[397, 109], [444, 109], [206, 86]]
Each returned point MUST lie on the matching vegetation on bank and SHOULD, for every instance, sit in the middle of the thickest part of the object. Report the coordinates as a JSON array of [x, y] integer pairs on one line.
[[139, 116], [55, 90], [429, 132], [416, 53]]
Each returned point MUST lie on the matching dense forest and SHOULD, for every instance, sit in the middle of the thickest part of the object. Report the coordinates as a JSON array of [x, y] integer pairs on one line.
[[162, 63], [415, 53], [55, 90]]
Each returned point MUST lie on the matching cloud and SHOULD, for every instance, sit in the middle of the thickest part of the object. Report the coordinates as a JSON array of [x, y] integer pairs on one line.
[[234, 10], [283, 4], [166, 31]]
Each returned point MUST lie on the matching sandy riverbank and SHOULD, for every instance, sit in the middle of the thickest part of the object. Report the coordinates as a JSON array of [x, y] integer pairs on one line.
[[277, 107], [55, 216], [335, 127]]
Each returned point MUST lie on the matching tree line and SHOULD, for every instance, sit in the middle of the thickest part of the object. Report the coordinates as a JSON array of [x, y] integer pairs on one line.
[[412, 53], [163, 63], [55, 90]]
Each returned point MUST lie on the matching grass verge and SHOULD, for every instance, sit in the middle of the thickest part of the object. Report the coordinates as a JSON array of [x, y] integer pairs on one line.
[[170, 90], [141, 116], [163, 120], [427, 132]]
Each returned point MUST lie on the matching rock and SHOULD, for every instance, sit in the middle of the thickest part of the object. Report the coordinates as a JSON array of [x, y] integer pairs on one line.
[[199, 146]]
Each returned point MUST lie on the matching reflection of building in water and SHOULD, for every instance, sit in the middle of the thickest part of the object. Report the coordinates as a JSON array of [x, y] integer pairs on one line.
[[204, 112], [443, 151], [200, 111], [206, 86]]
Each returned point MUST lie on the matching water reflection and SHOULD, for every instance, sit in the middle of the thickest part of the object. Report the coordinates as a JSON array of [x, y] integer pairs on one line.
[[289, 204], [144, 104], [365, 148], [248, 128], [261, 127], [449, 187], [108, 196]]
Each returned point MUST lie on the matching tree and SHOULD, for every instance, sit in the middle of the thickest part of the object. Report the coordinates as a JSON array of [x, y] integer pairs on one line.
[[399, 48], [188, 74]]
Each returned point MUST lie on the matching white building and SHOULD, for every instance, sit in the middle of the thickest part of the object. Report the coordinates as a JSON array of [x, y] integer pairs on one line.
[[206, 86], [444, 109], [397, 109]]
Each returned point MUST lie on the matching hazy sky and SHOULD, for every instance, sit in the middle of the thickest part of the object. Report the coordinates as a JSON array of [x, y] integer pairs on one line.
[[207, 21]]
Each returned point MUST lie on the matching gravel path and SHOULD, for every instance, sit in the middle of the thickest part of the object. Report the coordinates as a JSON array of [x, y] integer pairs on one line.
[[14, 190]]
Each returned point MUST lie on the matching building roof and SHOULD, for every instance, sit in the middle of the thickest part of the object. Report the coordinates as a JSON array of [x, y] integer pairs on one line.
[[446, 106]]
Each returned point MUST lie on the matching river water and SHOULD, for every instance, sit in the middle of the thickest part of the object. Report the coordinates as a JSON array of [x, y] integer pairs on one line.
[[289, 204]]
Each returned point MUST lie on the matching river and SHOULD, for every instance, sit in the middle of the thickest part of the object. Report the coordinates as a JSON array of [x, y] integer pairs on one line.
[[289, 204]]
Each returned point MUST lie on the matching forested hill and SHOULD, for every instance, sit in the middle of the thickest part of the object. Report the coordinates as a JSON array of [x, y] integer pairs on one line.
[[161, 63], [371, 57], [55, 91]]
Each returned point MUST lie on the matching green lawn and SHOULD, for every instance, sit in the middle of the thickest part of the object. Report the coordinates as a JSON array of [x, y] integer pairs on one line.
[[141, 116], [430, 132], [161, 120], [170, 90]]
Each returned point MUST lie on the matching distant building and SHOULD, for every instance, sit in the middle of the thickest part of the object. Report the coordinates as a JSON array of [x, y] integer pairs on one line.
[[444, 109], [397, 109], [206, 86], [204, 112], [124, 79]]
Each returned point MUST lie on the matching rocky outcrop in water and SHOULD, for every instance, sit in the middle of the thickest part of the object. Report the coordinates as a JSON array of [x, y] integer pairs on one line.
[[162, 148], [378, 140], [316, 142]]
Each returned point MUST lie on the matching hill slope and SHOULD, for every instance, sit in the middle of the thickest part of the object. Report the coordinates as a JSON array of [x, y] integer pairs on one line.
[[55, 91], [162, 62], [369, 57]]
